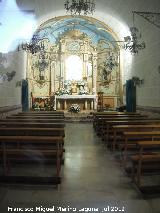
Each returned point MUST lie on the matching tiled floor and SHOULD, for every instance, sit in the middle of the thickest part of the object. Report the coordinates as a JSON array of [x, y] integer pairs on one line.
[[91, 178]]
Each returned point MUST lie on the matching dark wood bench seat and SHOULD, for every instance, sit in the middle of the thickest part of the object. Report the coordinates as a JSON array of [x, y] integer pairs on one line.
[[133, 137], [30, 140], [31, 124], [30, 120], [101, 122], [100, 118], [42, 113], [29, 152], [146, 158], [18, 131], [32, 131], [36, 116], [108, 127], [143, 161], [24, 153], [119, 129], [97, 115]]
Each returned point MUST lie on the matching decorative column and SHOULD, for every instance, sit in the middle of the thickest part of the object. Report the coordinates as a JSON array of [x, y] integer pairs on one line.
[[115, 102], [62, 60], [52, 71], [62, 68], [55, 103], [92, 104], [65, 104], [85, 104], [58, 104], [85, 60], [29, 75], [94, 78]]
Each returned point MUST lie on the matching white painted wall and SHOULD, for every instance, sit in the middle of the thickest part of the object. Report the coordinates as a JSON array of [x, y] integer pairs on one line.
[[10, 94], [146, 65]]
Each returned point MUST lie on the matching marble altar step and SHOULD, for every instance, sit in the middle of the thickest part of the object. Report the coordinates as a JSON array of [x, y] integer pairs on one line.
[[83, 116]]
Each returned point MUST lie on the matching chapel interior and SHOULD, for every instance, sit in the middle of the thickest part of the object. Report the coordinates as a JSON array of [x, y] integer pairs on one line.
[[80, 105]]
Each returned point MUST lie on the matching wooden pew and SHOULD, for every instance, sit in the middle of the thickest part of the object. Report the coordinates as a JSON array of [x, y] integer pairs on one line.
[[41, 120], [110, 113], [42, 112], [32, 127], [114, 113], [142, 159], [7, 152], [37, 116], [108, 128], [130, 138], [100, 124], [119, 129], [31, 124], [99, 119], [33, 131]]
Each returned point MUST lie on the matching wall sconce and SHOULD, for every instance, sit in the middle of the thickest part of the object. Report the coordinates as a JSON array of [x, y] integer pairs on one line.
[[18, 83], [137, 81]]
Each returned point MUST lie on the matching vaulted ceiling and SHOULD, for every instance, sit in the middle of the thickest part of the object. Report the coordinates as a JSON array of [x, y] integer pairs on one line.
[[55, 28]]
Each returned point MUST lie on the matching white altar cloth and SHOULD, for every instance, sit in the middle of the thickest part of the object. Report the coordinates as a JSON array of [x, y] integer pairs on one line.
[[76, 97], [92, 98]]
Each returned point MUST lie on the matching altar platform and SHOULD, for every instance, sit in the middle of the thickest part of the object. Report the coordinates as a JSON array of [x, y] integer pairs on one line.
[[86, 102], [82, 116]]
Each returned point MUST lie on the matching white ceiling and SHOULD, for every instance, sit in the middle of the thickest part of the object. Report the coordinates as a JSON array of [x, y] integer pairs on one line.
[[117, 14]]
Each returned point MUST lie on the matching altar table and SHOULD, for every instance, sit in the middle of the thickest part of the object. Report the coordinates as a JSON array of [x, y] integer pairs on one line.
[[86, 102]]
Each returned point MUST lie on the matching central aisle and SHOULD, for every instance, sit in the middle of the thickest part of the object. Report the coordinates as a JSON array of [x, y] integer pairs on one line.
[[92, 175]]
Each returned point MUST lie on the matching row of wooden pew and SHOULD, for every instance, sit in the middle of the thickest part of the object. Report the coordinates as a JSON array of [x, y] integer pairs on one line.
[[136, 138], [32, 138]]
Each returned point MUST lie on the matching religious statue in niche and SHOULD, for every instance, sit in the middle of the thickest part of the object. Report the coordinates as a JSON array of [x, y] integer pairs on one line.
[[83, 90], [74, 87]]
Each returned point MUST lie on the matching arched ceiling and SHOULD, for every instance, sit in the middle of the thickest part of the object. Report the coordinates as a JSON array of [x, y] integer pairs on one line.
[[54, 28]]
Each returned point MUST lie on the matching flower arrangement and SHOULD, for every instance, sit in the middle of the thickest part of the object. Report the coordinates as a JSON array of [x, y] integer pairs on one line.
[[83, 92], [63, 91], [74, 108], [67, 83], [80, 83]]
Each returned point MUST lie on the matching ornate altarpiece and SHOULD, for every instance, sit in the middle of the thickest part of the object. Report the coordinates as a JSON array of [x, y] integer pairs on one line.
[[103, 75]]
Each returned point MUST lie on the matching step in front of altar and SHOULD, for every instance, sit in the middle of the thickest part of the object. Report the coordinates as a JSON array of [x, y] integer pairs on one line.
[[78, 117]]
